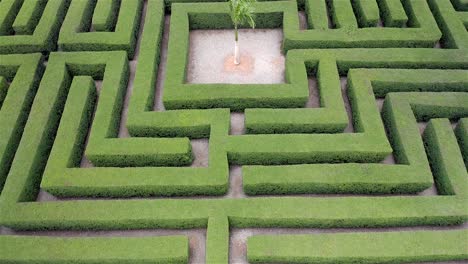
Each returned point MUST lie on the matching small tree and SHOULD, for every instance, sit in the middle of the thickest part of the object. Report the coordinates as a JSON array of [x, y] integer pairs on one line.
[[241, 14]]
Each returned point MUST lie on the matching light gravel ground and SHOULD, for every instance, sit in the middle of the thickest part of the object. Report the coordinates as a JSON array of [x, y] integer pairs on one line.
[[211, 57]]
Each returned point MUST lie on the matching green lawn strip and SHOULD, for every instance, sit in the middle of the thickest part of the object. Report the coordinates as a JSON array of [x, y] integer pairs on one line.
[[41, 249], [369, 247], [24, 18], [74, 35], [24, 72], [446, 159]]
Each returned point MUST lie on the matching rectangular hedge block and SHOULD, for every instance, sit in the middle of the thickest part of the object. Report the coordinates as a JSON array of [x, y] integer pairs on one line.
[[372, 247], [37, 249]]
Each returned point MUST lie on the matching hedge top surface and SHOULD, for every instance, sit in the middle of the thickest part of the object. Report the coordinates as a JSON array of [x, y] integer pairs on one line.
[[373, 94]]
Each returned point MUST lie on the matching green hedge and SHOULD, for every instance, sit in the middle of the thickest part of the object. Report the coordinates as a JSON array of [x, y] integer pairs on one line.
[[342, 15], [192, 16], [28, 16], [461, 5], [422, 30], [445, 157], [19, 79], [42, 250], [298, 212], [53, 144], [367, 12], [393, 13], [105, 15], [31, 25], [63, 177], [139, 155], [286, 149], [74, 35], [217, 240], [462, 136], [410, 176], [454, 31], [371, 247]]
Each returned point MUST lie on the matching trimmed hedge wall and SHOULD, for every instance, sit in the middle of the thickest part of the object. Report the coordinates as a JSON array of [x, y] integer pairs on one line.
[[417, 84], [189, 16], [297, 212], [31, 26], [369, 247], [74, 35], [19, 79], [444, 154], [62, 176], [462, 136], [422, 30], [40, 249], [454, 32]]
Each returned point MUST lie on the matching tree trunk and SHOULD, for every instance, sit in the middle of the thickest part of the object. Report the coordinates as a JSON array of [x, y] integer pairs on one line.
[[236, 46], [236, 53]]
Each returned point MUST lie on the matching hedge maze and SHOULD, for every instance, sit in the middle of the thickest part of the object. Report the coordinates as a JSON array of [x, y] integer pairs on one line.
[[377, 173]]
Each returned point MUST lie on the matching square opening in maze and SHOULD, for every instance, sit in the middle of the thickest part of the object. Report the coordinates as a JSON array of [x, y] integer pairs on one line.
[[211, 56]]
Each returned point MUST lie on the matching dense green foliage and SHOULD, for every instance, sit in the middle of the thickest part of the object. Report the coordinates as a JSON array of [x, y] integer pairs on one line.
[[382, 247], [68, 103], [118, 250]]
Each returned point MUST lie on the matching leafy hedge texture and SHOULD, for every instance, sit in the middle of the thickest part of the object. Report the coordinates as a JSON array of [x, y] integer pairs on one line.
[[86, 146]]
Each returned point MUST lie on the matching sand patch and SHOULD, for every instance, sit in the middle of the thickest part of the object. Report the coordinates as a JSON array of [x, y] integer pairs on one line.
[[211, 57]]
